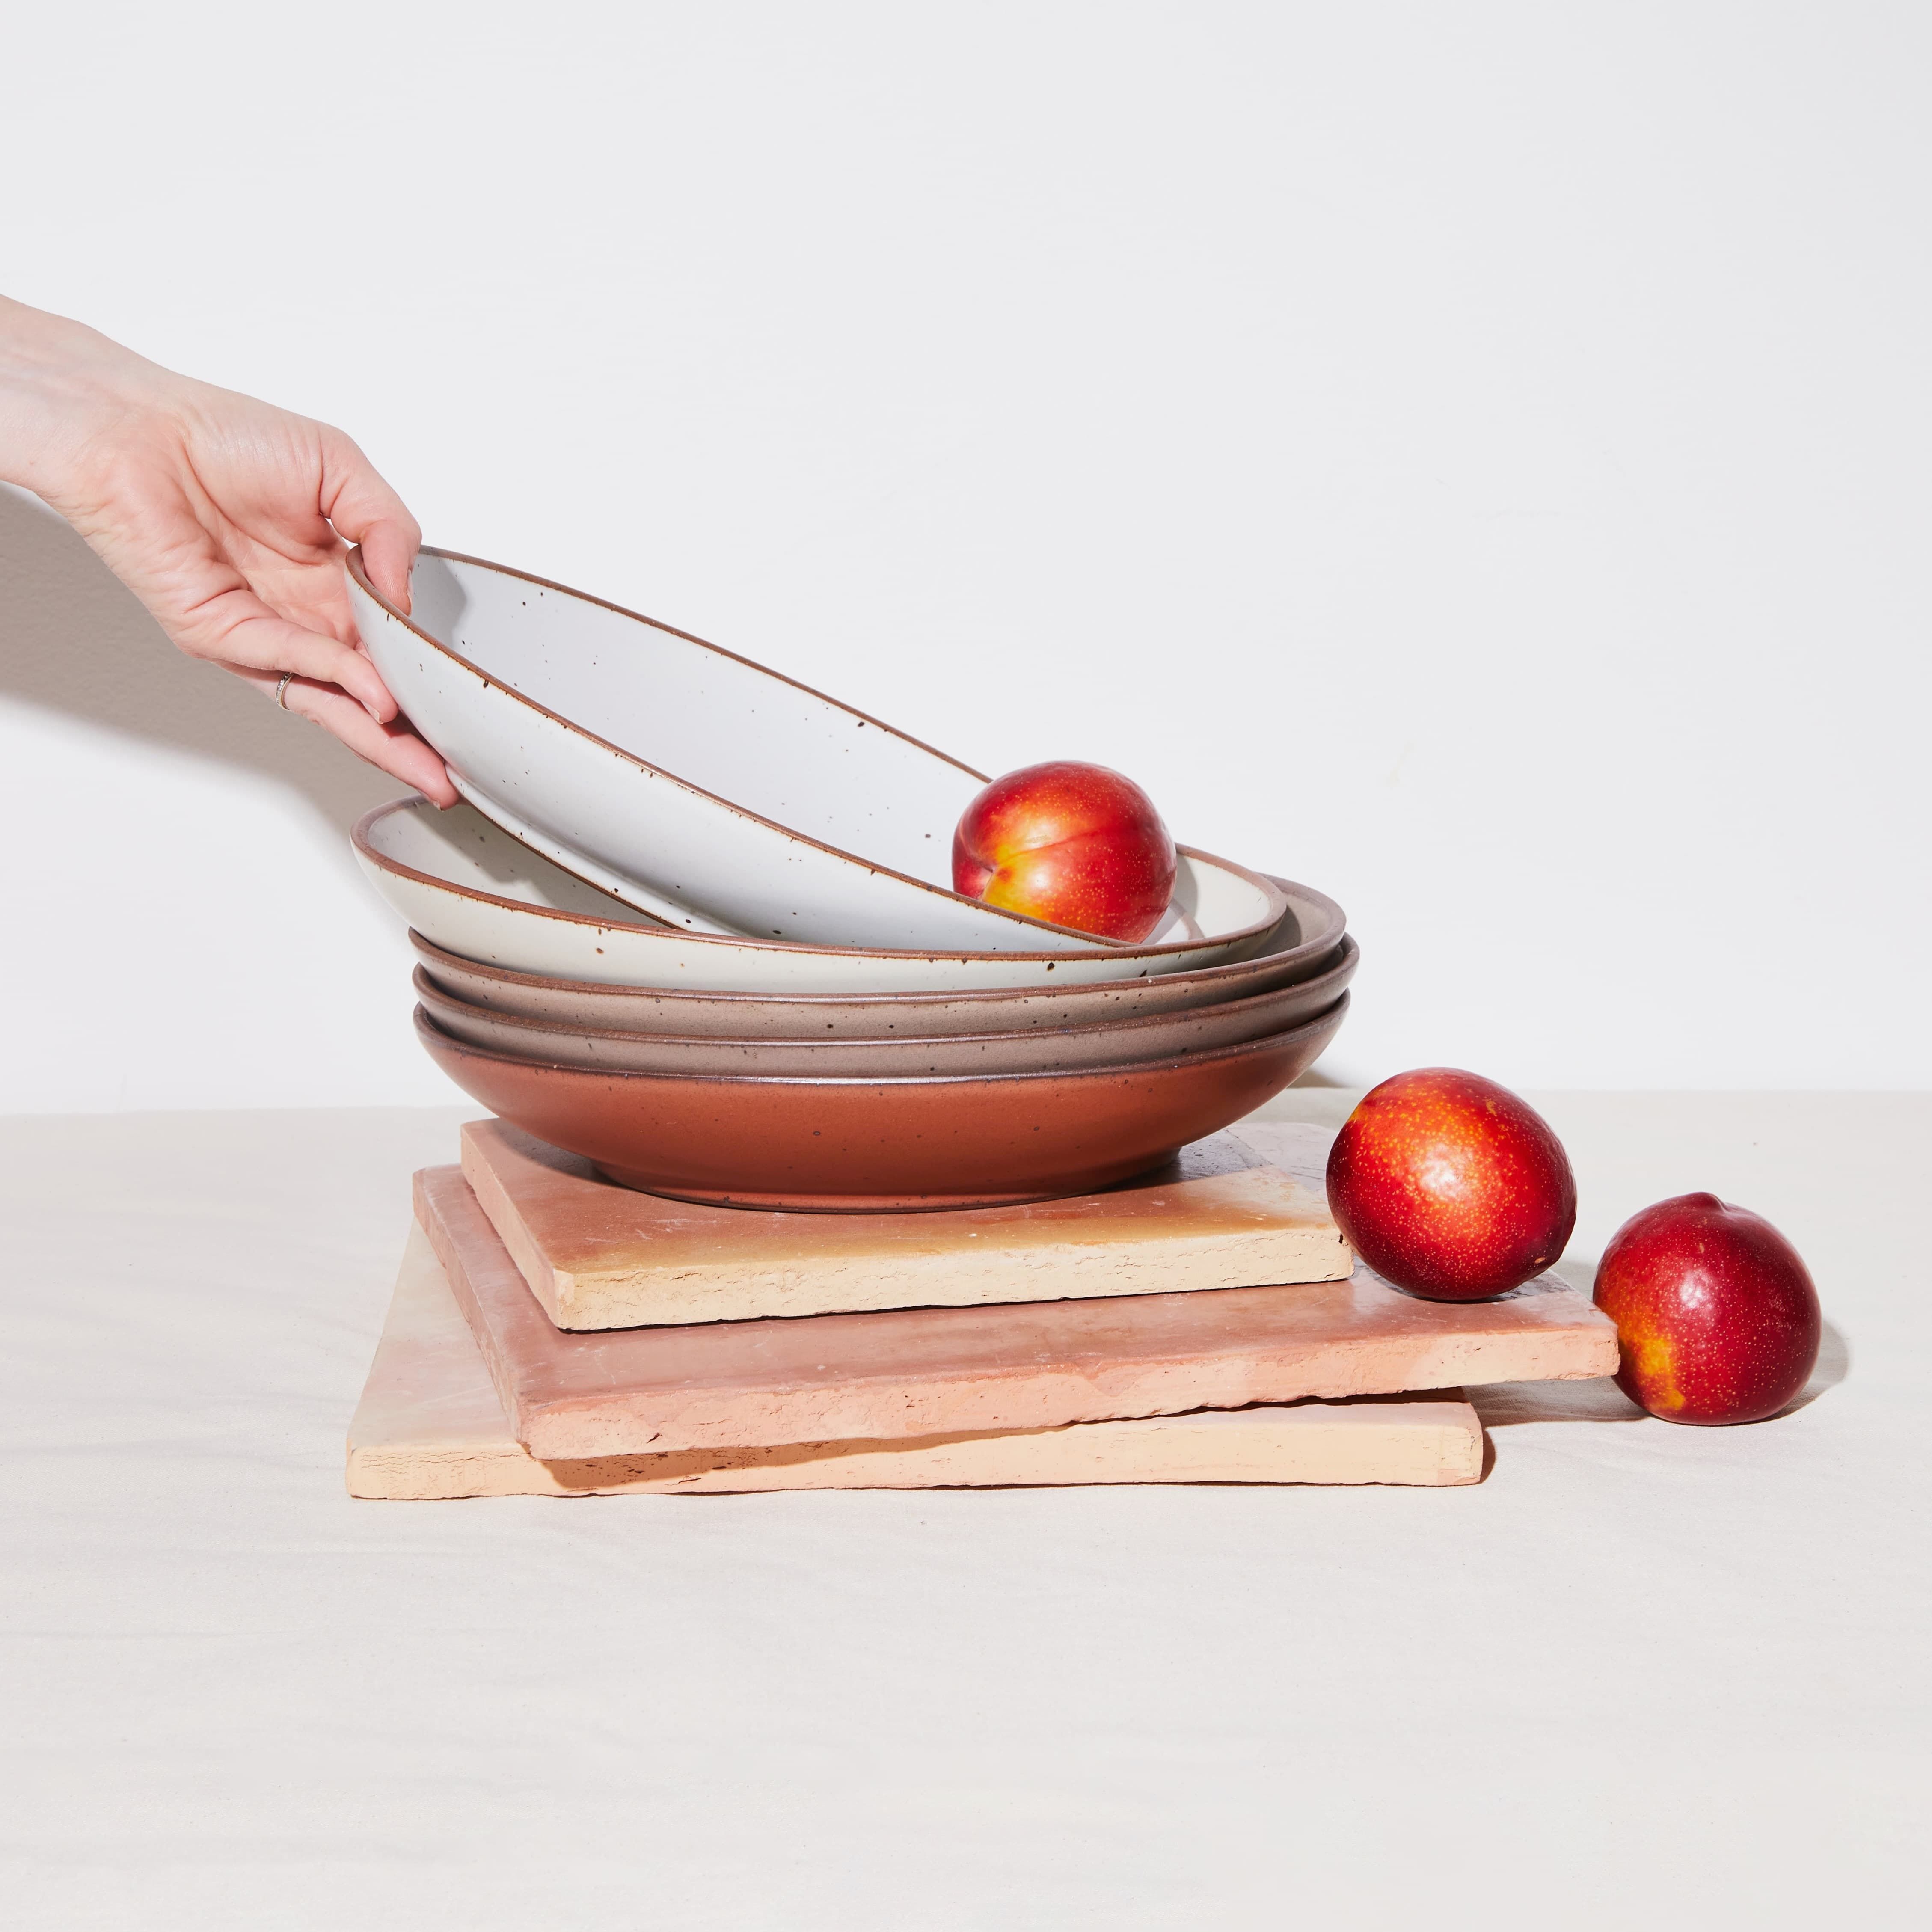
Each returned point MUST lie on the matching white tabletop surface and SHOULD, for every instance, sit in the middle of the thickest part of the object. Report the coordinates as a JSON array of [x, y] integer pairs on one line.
[[1641, 1675]]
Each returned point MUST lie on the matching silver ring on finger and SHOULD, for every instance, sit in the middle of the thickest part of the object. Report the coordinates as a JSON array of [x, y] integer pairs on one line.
[[282, 689]]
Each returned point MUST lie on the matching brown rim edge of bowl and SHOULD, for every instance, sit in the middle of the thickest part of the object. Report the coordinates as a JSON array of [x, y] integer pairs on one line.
[[1333, 1015]]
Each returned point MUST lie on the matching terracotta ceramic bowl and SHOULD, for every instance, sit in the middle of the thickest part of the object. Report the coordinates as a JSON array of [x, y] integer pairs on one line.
[[871, 1146], [1107, 1043], [468, 885], [684, 780]]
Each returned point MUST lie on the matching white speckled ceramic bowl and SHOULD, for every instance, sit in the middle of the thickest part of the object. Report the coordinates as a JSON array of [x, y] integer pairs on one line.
[[1304, 952], [466, 885], [685, 782]]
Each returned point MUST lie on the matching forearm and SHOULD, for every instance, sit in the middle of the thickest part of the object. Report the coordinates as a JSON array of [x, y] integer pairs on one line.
[[63, 389]]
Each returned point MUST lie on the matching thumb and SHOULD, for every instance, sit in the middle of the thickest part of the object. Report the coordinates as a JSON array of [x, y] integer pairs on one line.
[[366, 510]]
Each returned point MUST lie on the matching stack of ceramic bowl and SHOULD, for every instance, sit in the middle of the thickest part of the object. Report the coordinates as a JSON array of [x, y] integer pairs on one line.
[[694, 924]]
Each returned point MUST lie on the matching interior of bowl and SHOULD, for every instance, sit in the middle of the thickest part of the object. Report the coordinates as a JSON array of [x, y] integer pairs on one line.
[[1212, 897], [460, 848], [718, 721]]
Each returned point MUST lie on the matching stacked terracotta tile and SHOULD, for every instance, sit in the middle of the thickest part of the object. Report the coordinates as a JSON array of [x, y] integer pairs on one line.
[[554, 1334]]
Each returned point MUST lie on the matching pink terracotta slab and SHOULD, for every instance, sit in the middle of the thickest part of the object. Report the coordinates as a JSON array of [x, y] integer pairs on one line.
[[597, 1255], [950, 1371], [429, 1425]]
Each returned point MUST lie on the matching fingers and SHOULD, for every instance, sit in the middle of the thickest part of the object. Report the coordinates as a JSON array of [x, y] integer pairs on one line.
[[365, 510], [392, 747], [236, 628]]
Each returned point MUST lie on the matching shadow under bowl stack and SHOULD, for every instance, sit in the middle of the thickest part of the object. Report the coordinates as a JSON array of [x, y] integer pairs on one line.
[[809, 1172]]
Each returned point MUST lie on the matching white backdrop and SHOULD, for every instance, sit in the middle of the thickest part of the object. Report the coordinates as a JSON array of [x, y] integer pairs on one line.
[[1472, 460]]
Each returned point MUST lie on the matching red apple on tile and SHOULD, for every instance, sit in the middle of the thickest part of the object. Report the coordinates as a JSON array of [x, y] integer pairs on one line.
[[1076, 844], [1716, 1314], [1450, 1186]]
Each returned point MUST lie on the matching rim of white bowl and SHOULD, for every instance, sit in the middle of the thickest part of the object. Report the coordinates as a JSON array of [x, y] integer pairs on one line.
[[1096, 941], [433, 954], [658, 929]]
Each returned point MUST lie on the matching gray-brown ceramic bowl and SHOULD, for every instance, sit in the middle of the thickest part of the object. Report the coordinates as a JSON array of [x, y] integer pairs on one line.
[[875, 1146], [1305, 943], [1114, 1042]]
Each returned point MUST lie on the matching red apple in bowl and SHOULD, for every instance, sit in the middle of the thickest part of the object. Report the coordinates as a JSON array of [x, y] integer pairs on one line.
[[1074, 844], [1717, 1314], [1450, 1186]]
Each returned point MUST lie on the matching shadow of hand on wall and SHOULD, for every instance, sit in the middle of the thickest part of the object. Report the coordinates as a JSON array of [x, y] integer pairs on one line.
[[73, 639]]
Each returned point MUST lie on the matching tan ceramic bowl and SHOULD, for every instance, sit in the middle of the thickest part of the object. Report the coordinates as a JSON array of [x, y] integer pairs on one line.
[[1108, 1042], [874, 1146], [1306, 943]]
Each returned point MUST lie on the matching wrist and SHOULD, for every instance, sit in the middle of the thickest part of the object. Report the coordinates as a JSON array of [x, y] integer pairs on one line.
[[61, 386]]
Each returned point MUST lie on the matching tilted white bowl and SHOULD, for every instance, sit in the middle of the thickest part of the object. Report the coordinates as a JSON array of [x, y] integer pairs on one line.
[[475, 891], [686, 781]]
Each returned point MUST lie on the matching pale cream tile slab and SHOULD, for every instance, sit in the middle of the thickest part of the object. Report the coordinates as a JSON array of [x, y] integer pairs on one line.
[[430, 1425]]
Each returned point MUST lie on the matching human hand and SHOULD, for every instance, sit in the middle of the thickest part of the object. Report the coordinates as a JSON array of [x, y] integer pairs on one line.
[[229, 518]]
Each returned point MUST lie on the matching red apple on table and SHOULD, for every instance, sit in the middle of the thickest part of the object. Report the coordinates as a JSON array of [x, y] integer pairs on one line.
[[1716, 1314], [1450, 1186], [1075, 844]]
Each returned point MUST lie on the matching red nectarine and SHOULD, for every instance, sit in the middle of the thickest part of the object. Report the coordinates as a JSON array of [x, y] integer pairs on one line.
[[1716, 1312], [1450, 1187], [1075, 844]]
